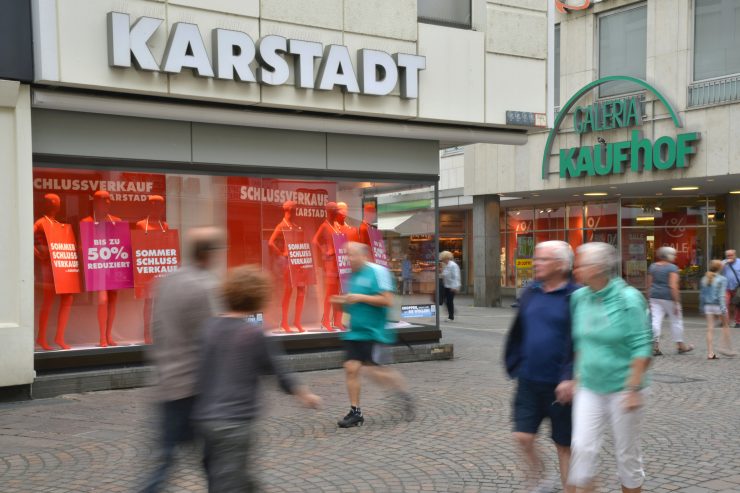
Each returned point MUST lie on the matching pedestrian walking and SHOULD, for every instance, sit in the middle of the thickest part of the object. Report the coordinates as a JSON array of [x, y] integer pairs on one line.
[[407, 275], [611, 338], [730, 272], [713, 303], [367, 341], [665, 299], [539, 355], [184, 300], [235, 354], [451, 281]]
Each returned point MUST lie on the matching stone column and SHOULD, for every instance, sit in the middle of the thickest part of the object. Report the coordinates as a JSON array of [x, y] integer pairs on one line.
[[732, 220], [486, 251]]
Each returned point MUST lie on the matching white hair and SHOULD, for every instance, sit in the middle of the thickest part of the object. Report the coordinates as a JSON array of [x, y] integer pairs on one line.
[[666, 253], [560, 250], [600, 254]]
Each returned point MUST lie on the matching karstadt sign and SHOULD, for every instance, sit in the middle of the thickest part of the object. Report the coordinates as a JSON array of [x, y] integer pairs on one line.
[[234, 53]]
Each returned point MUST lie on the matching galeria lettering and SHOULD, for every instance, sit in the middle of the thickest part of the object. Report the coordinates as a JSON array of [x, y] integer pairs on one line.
[[234, 54]]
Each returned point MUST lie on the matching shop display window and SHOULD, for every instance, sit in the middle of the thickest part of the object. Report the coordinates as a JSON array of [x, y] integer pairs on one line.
[[102, 238]]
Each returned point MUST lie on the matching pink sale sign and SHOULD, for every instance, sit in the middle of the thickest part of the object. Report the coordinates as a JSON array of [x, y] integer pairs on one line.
[[106, 255]]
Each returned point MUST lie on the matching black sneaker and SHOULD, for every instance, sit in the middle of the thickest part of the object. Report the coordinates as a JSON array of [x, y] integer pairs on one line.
[[351, 419], [408, 407]]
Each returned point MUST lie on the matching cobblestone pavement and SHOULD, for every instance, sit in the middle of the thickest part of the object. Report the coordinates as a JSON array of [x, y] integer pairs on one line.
[[102, 442]]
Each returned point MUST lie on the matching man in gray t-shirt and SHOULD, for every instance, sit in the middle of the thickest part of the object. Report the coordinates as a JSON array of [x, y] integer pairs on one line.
[[665, 299]]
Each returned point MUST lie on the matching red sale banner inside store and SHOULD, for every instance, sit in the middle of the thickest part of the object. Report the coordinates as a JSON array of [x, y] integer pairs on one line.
[[106, 255], [377, 247], [343, 266], [63, 256], [156, 253], [300, 258]]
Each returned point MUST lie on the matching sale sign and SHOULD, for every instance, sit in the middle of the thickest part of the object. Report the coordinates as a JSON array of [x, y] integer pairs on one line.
[[343, 266], [377, 247], [156, 253], [65, 265], [106, 255], [300, 258]]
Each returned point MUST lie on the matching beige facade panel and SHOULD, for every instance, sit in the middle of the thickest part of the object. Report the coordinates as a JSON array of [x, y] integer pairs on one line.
[[94, 135], [537, 5], [527, 95], [249, 8], [518, 32], [452, 51], [326, 14], [244, 146], [16, 244], [387, 18], [383, 155]]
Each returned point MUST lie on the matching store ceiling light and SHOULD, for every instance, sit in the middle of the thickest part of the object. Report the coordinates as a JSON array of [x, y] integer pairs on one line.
[[684, 189], [735, 192], [645, 218], [595, 194], [658, 208]]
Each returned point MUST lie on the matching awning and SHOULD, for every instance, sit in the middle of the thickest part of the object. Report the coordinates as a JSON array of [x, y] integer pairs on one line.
[[408, 224]]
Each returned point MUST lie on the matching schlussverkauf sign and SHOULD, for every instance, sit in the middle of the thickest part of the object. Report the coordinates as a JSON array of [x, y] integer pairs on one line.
[[234, 53]]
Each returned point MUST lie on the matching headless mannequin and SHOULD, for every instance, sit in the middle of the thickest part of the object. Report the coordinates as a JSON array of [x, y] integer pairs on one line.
[[52, 204], [324, 242], [152, 222], [369, 218], [106, 299], [342, 225], [278, 246]]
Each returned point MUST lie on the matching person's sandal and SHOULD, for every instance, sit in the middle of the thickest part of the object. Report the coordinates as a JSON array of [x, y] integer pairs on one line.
[[687, 348], [656, 350], [713, 356]]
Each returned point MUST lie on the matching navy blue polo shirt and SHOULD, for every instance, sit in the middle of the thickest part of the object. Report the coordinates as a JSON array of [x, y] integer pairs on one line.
[[546, 335]]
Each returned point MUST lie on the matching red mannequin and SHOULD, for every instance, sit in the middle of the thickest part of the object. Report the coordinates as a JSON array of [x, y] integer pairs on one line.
[[153, 222], [52, 204], [324, 242], [279, 247], [106, 299], [341, 224], [369, 218]]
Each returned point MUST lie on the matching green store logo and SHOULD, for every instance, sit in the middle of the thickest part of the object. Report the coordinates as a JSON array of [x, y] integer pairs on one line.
[[636, 154]]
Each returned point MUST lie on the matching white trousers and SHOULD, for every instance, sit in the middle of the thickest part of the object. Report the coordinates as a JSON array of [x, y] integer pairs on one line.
[[658, 310], [591, 412]]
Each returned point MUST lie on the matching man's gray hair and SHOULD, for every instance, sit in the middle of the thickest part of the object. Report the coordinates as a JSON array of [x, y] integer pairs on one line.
[[561, 251], [359, 247], [600, 254], [666, 253]]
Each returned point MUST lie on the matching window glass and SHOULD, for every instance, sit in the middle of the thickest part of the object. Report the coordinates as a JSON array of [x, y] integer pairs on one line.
[[622, 48], [103, 238], [674, 212], [716, 38], [454, 13], [549, 217]]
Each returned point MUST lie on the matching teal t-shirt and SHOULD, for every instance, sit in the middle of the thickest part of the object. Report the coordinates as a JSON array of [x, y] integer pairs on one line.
[[367, 322], [610, 329]]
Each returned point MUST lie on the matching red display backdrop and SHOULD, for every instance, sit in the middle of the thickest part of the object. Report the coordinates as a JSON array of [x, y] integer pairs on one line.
[[65, 264]]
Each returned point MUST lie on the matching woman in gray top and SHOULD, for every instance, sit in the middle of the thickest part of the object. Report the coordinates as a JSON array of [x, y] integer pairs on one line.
[[665, 299]]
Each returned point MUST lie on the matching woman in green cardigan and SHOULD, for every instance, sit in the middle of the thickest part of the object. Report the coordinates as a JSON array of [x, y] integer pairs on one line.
[[613, 345]]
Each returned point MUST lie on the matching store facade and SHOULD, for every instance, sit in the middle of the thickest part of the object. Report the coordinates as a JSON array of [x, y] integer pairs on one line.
[[293, 127], [642, 153]]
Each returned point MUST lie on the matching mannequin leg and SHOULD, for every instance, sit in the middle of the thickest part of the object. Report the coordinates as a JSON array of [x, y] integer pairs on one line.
[[65, 305], [46, 303], [112, 300], [103, 317], [147, 320], [338, 317], [287, 292], [299, 298]]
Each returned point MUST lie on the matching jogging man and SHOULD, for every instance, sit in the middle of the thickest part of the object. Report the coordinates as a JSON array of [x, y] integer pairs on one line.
[[366, 342]]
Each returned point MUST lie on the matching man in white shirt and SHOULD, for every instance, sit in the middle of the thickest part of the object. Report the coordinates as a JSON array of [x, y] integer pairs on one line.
[[451, 280]]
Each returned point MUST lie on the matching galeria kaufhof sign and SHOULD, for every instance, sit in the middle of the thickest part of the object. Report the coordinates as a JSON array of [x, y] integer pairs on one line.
[[234, 53], [606, 158]]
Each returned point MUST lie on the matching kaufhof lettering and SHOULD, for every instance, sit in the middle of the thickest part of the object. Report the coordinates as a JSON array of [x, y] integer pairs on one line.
[[235, 53], [636, 154]]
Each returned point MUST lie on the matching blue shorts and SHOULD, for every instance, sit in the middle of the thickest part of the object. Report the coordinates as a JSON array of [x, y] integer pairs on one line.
[[535, 401]]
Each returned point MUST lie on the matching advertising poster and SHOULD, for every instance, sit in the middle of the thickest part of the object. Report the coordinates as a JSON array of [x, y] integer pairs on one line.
[[65, 265], [129, 191], [418, 311], [300, 258], [635, 257], [106, 255], [156, 254], [377, 247], [343, 266]]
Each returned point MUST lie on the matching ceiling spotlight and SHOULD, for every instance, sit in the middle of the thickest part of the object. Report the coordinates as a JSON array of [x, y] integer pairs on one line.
[[595, 194], [684, 189]]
